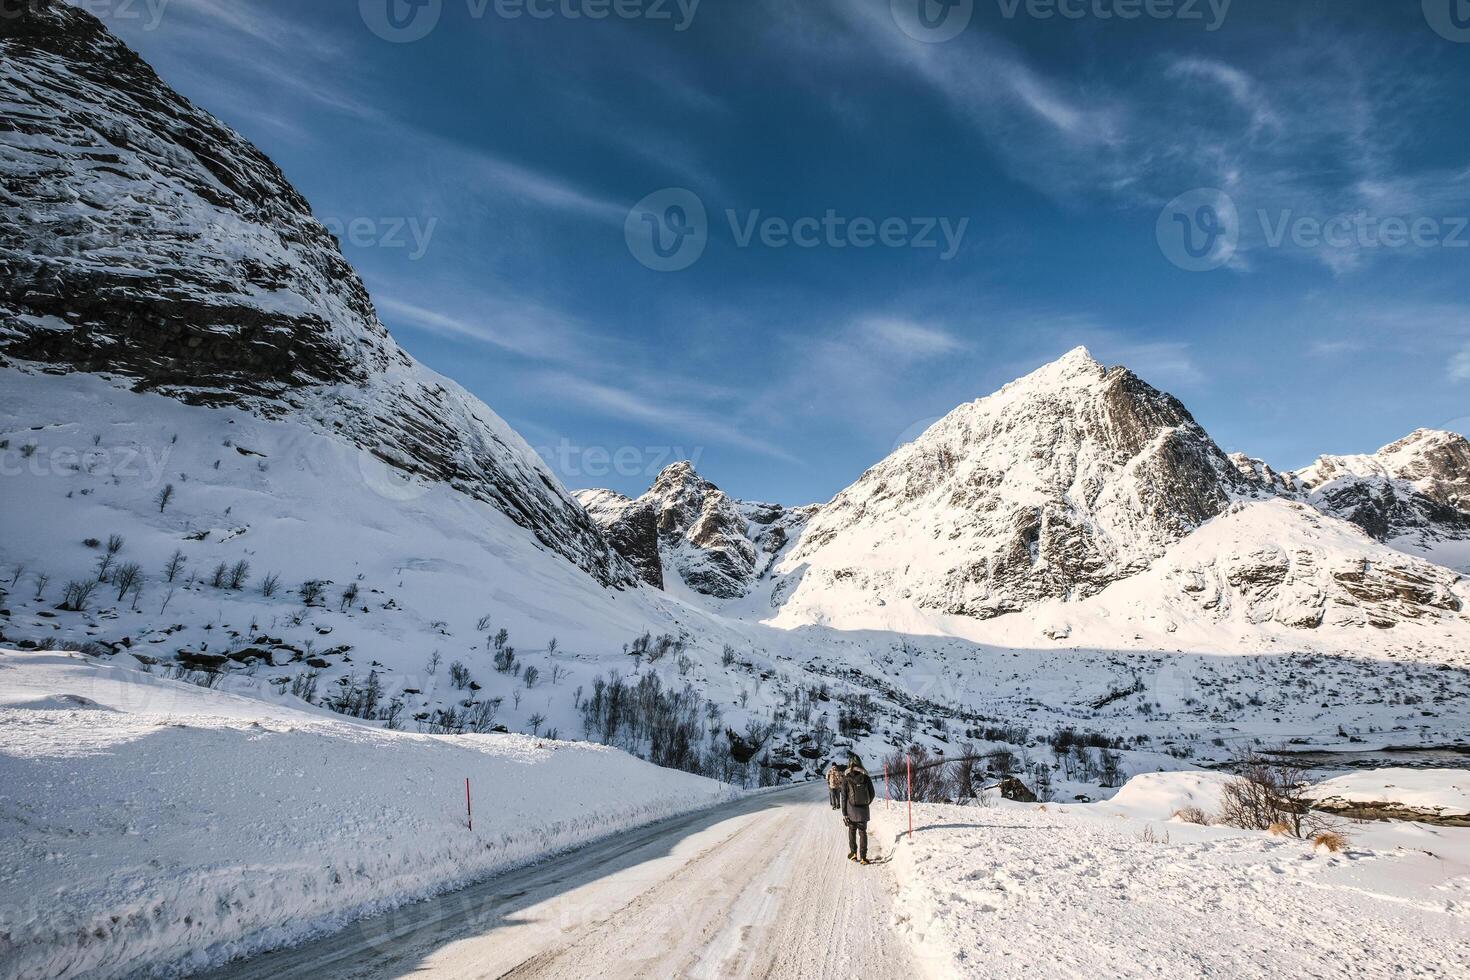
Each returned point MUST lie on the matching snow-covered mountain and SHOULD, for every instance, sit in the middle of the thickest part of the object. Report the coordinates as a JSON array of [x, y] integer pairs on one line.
[[717, 545], [1413, 493], [141, 237], [1061, 483], [191, 369]]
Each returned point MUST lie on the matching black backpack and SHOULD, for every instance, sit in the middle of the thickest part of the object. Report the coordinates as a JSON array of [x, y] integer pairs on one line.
[[859, 789]]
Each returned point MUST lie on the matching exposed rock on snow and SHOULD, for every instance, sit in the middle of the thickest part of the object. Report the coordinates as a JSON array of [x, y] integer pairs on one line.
[[1439, 796], [1062, 482], [717, 545], [1281, 561], [1417, 488], [142, 237]]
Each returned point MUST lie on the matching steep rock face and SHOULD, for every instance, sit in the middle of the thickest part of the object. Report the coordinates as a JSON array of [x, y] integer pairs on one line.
[[1416, 488], [631, 527], [717, 545], [141, 237], [1059, 484]]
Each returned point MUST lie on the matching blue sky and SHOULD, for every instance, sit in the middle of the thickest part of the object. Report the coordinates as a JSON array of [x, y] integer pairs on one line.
[[514, 149]]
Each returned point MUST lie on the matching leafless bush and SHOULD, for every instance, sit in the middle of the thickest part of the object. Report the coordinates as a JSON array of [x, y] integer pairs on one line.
[[311, 591], [459, 675], [1266, 794], [304, 685], [270, 584], [175, 562], [239, 572], [76, 595], [128, 575], [1192, 814], [1330, 841]]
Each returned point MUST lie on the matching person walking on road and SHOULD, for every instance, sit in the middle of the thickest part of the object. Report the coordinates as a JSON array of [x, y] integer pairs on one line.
[[834, 786], [857, 796]]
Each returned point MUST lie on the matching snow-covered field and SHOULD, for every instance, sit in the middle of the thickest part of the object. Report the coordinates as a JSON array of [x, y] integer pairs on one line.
[[1118, 889], [149, 823]]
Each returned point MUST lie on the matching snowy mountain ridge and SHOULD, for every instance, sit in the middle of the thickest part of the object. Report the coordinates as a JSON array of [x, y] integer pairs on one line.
[[718, 546], [141, 237]]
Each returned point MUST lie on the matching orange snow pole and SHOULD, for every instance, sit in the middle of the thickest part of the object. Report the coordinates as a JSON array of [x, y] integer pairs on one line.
[[908, 760], [468, 813]]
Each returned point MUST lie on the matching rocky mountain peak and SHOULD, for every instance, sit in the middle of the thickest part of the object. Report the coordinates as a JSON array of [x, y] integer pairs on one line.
[[1417, 488], [717, 546], [1058, 484]]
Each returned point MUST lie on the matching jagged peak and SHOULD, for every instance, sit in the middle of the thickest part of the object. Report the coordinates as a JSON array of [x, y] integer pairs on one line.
[[1421, 438]]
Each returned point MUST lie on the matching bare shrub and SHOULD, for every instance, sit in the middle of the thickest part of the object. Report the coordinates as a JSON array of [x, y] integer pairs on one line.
[[1192, 814], [76, 595], [1265, 795], [312, 590], [1330, 841], [459, 675], [1279, 829], [239, 572], [270, 584]]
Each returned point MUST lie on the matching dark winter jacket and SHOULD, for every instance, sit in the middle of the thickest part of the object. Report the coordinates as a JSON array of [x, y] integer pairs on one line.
[[851, 780]]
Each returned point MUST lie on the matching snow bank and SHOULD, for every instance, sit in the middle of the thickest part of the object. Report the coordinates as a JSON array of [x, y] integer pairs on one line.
[[1018, 891], [1444, 790], [141, 817], [1159, 795]]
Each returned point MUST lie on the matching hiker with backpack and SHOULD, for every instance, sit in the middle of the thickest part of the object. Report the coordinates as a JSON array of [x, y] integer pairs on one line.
[[834, 786], [857, 796]]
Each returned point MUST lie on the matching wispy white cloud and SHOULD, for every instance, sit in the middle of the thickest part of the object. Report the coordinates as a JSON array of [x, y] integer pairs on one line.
[[903, 337], [624, 402], [513, 325], [1460, 366]]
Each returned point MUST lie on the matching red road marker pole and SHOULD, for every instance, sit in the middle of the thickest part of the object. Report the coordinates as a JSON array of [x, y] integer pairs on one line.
[[910, 762], [468, 813]]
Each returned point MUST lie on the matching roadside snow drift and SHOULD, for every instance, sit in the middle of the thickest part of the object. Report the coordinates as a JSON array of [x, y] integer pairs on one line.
[[142, 817], [1117, 889]]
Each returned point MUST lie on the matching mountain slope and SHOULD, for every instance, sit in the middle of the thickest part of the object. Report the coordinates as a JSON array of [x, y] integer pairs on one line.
[[141, 237], [1062, 482]]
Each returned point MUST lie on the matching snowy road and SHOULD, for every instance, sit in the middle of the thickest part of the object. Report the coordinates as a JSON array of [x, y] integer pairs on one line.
[[761, 888]]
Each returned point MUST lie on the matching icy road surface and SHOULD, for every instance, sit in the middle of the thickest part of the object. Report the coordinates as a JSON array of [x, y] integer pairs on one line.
[[759, 888]]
